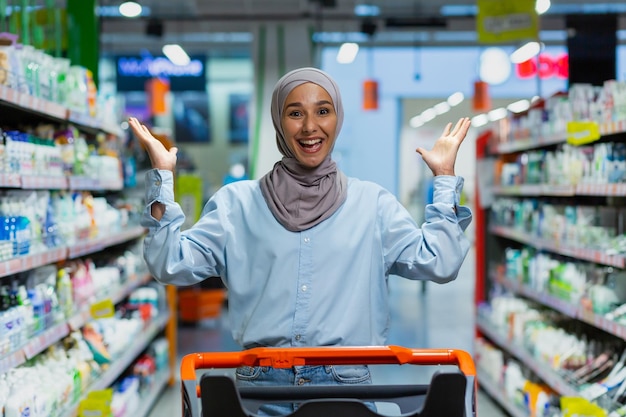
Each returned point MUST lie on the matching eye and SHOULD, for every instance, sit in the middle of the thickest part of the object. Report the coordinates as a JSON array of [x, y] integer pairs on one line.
[[324, 110], [295, 113]]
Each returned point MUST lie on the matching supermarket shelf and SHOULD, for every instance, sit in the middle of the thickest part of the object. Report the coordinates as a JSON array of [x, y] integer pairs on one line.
[[606, 190], [54, 111], [540, 369], [527, 143], [591, 255], [40, 342], [12, 360], [574, 311], [10, 180], [535, 190], [149, 398], [496, 393], [119, 365], [79, 319], [43, 182], [34, 260], [95, 184], [97, 244]]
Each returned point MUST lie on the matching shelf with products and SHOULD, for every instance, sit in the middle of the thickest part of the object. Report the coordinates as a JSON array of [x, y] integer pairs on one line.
[[80, 248], [36, 159], [46, 109], [567, 308], [135, 347], [554, 195], [495, 390], [565, 247], [39, 342], [539, 368]]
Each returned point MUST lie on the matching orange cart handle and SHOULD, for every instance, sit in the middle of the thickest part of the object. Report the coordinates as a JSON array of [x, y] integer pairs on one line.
[[296, 356]]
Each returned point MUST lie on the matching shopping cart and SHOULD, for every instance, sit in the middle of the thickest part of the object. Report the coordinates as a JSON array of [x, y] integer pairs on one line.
[[450, 393]]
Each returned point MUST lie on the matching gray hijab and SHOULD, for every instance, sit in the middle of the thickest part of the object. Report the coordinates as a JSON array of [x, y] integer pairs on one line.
[[301, 197]]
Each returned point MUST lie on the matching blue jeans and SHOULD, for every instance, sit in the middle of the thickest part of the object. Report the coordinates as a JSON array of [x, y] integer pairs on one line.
[[300, 375]]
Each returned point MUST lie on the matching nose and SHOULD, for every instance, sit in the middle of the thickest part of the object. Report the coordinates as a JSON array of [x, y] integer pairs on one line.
[[309, 125]]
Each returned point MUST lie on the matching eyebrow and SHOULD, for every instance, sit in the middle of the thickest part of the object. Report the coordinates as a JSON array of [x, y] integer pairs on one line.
[[319, 103]]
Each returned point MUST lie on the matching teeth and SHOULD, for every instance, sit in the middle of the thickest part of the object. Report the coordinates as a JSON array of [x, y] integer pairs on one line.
[[310, 141]]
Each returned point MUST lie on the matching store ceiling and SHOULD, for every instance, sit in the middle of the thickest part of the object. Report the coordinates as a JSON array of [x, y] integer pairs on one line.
[[202, 24]]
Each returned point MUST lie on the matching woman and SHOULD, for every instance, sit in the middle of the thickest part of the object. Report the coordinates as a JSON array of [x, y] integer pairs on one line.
[[305, 251]]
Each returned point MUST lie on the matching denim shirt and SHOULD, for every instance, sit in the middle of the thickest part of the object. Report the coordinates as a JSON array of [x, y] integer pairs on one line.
[[325, 286]]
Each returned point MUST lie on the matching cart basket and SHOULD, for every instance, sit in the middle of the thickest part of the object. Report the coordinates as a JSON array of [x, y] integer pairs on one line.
[[449, 393]]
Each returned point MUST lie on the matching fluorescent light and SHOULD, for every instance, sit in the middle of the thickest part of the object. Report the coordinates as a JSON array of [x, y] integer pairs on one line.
[[441, 108], [497, 114], [480, 120], [416, 121], [347, 52], [519, 106], [456, 99], [428, 114], [130, 9], [525, 52], [495, 67], [542, 6], [364, 10], [176, 54]]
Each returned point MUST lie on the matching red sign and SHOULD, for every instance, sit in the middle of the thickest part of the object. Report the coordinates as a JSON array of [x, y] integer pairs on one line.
[[547, 67]]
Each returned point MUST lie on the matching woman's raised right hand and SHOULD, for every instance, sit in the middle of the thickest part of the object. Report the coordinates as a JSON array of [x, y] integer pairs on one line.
[[160, 157]]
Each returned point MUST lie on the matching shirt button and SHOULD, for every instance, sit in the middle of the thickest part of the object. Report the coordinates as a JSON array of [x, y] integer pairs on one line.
[[157, 183], [301, 381], [307, 240], [298, 337], [304, 288]]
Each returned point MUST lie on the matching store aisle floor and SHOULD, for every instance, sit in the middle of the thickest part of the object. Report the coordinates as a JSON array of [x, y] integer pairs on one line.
[[441, 316]]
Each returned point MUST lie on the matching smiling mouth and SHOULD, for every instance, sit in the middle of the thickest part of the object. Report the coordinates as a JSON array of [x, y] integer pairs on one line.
[[310, 145]]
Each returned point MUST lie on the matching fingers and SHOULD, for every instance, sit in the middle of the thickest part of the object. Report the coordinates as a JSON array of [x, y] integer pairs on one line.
[[446, 131], [461, 126]]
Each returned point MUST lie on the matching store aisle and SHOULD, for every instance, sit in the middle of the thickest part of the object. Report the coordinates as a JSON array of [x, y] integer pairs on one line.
[[442, 316]]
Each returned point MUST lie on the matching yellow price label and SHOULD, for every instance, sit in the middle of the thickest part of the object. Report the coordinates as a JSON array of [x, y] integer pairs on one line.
[[103, 309], [582, 133], [101, 394], [94, 407]]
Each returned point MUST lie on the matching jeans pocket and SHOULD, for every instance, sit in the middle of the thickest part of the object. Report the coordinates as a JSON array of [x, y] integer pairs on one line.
[[248, 373], [351, 374]]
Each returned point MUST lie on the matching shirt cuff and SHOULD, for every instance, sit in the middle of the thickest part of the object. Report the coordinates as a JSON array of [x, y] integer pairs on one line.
[[159, 186], [447, 189]]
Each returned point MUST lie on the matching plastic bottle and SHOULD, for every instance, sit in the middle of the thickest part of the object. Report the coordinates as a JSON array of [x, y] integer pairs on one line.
[[64, 292]]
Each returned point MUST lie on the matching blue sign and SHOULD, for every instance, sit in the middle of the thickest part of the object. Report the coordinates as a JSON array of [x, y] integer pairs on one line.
[[134, 71]]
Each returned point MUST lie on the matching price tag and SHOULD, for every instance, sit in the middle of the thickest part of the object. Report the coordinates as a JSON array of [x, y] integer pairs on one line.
[[103, 309], [582, 133], [97, 404]]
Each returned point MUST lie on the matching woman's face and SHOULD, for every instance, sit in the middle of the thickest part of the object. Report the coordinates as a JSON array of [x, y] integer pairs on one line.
[[309, 123]]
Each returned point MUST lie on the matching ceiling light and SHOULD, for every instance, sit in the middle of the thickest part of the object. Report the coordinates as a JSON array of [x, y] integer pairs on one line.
[[455, 99], [347, 52], [480, 120], [542, 6], [494, 67], [441, 108], [364, 10], [497, 114], [130, 9], [519, 106], [526, 52], [428, 114], [416, 121], [176, 54]]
